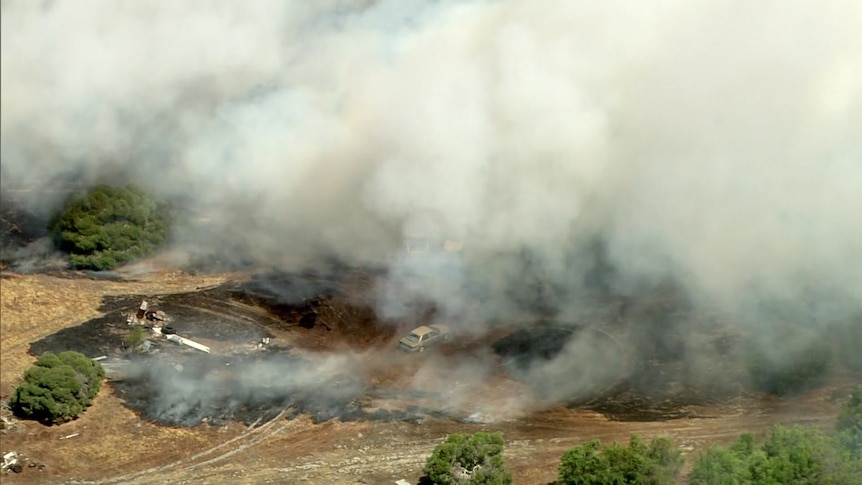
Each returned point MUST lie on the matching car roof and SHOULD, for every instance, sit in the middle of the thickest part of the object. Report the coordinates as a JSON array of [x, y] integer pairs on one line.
[[422, 330]]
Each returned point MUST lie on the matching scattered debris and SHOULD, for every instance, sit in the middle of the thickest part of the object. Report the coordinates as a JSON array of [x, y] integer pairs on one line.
[[146, 346], [158, 316], [101, 357], [70, 436], [145, 313], [12, 462], [402, 482], [7, 423], [7, 419], [190, 343]]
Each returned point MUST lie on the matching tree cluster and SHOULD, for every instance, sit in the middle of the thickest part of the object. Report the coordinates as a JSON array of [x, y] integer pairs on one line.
[[57, 388], [108, 226], [788, 456], [658, 463], [849, 425], [469, 459]]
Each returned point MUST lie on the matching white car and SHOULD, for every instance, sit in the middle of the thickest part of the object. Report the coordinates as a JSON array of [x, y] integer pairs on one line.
[[423, 336]]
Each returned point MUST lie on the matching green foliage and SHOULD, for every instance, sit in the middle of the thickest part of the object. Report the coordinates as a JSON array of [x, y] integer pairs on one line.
[[791, 371], [135, 337], [789, 456], [57, 388], [717, 466], [665, 461], [469, 459], [849, 425], [635, 464], [109, 226]]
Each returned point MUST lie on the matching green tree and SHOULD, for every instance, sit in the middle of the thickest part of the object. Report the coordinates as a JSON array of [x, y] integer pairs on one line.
[[469, 459], [717, 466], [796, 455], [789, 456], [57, 388], [665, 461], [849, 425], [108, 226], [615, 464]]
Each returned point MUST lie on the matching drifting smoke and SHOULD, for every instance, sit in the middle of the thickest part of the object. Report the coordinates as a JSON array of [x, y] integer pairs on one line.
[[621, 145], [202, 389]]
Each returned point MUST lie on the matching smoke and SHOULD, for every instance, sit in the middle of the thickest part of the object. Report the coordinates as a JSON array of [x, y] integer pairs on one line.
[[616, 145], [205, 389]]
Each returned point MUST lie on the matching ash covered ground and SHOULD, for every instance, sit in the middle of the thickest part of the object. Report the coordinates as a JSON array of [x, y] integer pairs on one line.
[[329, 356]]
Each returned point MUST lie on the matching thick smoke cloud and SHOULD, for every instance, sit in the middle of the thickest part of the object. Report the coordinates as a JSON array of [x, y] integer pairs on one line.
[[713, 144]]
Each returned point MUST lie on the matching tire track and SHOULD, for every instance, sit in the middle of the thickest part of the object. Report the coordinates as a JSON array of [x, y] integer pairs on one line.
[[251, 431]]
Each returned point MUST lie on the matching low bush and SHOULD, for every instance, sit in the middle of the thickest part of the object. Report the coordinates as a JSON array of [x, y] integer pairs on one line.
[[469, 459], [658, 463], [789, 456], [57, 388], [849, 425]]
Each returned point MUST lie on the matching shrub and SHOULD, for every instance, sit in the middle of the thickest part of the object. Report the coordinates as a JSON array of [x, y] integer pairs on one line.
[[717, 466], [57, 388], [635, 464], [469, 459], [849, 425], [108, 226], [135, 337], [789, 456]]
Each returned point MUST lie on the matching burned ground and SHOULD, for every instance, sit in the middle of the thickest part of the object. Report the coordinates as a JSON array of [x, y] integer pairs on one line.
[[243, 379], [403, 404], [329, 356]]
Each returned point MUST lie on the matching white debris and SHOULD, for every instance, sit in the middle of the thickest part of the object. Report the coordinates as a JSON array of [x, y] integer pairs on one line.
[[188, 342], [10, 459]]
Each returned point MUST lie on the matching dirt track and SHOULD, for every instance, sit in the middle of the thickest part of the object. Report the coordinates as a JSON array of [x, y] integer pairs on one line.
[[115, 446]]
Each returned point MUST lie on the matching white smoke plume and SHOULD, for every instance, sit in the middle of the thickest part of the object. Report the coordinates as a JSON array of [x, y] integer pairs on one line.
[[711, 143]]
